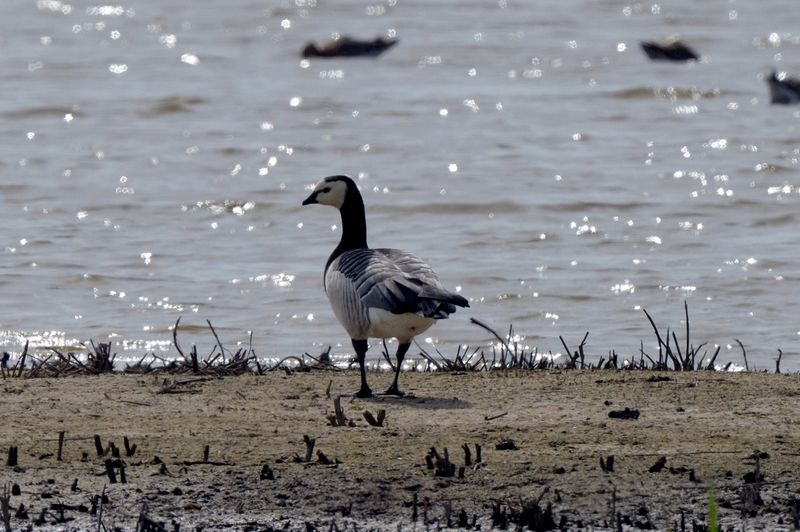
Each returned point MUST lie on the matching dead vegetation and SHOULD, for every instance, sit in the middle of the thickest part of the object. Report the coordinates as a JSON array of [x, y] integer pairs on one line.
[[502, 353]]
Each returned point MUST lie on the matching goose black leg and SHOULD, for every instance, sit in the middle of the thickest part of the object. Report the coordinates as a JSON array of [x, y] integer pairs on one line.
[[361, 352], [401, 354]]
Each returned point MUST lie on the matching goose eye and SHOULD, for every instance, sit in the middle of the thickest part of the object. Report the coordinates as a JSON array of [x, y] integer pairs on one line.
[[326, 190]]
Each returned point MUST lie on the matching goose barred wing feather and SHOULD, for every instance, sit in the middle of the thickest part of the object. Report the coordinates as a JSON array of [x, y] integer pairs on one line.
[[398, 282]]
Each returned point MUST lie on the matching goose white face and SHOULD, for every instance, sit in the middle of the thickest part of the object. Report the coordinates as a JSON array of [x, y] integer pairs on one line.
[[327, 192]]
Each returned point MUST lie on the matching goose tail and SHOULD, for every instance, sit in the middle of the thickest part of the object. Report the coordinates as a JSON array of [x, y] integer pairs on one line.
[[439, 303]]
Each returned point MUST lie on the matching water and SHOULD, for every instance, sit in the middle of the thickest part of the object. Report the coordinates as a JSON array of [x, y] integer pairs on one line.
[[155, 154]]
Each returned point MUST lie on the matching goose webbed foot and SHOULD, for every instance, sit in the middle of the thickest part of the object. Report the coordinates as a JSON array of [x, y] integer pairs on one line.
[[364, 392], [394, 390]]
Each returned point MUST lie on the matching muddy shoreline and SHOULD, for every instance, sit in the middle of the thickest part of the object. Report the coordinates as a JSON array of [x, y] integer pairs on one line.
[[738, 433]]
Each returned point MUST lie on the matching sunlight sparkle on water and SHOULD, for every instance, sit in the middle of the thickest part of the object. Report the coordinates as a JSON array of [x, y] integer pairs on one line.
[[190, 59], [54, 5], [105, 11], [625, 286]]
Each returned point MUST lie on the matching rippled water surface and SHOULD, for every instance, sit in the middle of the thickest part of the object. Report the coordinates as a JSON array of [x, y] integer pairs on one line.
[[154, 156]]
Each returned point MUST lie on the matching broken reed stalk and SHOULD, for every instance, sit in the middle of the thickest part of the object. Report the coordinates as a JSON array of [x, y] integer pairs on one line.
[[309, 446], [13, 456], [492, 331], [100, 525], [60, 445], [744, 354], [5, 508], [112, 475], [467, 455], [686, 312], [778, 362], [340, 417], [129, 449], [175, 337], [386, 355], [219, 343], [372, 420], [22, 360], [98, 445]]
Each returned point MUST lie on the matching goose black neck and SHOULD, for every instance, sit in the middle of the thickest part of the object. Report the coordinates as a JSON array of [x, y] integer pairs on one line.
[[354, 226]]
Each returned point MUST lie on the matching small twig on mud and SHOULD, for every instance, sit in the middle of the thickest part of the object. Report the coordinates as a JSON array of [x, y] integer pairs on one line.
[[489, 418], [137, 403]]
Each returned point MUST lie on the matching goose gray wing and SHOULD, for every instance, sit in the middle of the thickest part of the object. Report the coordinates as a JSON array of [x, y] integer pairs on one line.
[[396, 281]]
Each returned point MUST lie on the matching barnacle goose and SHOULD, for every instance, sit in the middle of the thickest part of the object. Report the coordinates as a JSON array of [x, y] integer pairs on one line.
[[377, 293], [672, 50], [349, 47]]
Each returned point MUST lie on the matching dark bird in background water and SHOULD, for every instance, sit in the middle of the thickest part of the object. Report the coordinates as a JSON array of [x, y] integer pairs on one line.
[[670, 51], [348, 47], [783, 89], [377, 293]]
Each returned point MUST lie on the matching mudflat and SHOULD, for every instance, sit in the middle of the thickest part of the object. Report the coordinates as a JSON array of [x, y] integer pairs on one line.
[[542, 438]]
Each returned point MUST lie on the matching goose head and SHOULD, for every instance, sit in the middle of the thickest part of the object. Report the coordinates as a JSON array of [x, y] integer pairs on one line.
[[334, 191]]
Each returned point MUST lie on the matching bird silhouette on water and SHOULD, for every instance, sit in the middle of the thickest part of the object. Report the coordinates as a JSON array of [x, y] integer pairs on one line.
[[348, 47]]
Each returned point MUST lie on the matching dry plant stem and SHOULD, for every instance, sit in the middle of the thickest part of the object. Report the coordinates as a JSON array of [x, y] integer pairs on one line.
[[341, 419], [5, 508], [221, 349], [744, 354], [175, 337], [686, 312], [21, 364], [710, 365], [60, 445], [778, 362], [492, 331], [309, 441], [13, 456], [100, 525]]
